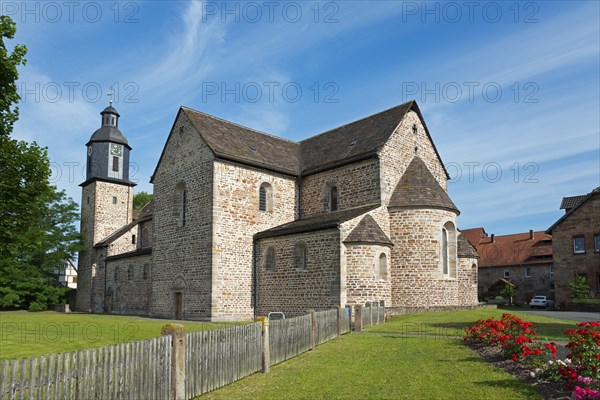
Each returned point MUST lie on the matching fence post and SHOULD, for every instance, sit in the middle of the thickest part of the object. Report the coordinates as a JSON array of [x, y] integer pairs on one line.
[[313, 328], [339, 320], [266, 351], [382, 304], [177, 359], [358, 318]]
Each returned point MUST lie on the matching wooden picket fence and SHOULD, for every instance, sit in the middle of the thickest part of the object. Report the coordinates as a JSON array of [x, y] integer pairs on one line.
[[215, 358], [372, 314], [148, 369], [137, 370], [289, 337]]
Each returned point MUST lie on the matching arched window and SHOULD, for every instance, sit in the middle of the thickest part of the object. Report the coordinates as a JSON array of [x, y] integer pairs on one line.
[[265, 197], [448, 250], [180, 203], [382, 272], [444, 253], [333, 198], [300, 255], [270, 259], [130, 273]]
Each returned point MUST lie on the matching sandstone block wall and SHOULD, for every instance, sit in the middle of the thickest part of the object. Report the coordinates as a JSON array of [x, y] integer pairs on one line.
[[295, 291], [584, 221], [236, 218], [101, 215], [129, 284], [357, 185], [182, 255], [467, 281], [417, 280], [400, 150], [539, 283], [362, 281]]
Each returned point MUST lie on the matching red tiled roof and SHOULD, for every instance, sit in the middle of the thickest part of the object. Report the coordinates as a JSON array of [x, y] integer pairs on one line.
[[474, 235], [510, 250]]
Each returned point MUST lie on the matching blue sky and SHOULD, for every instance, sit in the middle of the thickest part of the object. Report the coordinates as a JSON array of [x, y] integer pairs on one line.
[[510, 90]]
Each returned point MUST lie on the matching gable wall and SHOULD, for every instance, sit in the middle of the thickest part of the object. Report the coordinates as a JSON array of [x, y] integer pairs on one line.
[[583, 221], [183, 253], [357, 185], [398, 152], [236, 219]]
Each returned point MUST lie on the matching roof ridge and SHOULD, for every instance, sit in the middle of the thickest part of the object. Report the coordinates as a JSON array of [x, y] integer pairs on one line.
[[238, 125], [355, 121]]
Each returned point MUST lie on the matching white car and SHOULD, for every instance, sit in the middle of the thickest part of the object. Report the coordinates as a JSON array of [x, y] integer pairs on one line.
[[541, 302]]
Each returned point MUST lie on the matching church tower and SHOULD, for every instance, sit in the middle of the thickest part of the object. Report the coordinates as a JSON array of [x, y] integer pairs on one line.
[[106, 205]]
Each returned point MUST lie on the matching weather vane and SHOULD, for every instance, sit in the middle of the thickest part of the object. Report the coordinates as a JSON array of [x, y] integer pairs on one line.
[[110, 94]]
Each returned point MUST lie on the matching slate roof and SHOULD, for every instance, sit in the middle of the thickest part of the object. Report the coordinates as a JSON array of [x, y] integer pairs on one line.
[[464, 248], [107, 133], [571, 202], [570, 211], [351, 141], [147, 211], [418, 188], [236, 142], [515, 250], [315, 223], [368, 231], [348, 143]]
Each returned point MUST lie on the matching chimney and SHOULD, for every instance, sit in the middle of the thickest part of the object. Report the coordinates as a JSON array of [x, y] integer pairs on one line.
[[493, 238], [531, 234]]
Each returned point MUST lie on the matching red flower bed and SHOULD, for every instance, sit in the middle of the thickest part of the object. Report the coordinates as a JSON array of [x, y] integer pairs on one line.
[[517, 338]]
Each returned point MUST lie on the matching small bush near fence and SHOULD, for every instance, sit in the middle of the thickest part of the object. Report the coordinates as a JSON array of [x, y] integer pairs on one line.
[[150, 369]]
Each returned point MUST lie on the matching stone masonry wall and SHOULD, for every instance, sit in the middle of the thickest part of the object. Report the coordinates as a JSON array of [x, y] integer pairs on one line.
[[182, 255], [100, 217], [128, 282], [362, 282], [539, 283], [398, 152], [416, 277], [584, 221], [467, 281], [357, 185], [294, 291], [237, 218]]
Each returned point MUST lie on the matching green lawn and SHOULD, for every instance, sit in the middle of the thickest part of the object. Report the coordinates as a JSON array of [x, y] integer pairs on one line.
[[381, 367], [381, 364], [24, 334], [454, 323]]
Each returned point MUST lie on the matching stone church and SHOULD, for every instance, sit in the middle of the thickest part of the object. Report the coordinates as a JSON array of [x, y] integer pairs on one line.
[[243, 223]]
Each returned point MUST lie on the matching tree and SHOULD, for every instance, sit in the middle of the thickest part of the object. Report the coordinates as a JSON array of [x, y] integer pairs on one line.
[[509, 292], [37, 232], [141, 199], [579, 287], [9, 76]]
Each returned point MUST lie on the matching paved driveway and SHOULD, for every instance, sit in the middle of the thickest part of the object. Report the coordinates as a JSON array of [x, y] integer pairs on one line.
[[572, 315]]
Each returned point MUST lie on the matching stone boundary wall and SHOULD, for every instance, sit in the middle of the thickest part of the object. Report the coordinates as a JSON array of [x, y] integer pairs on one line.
[[391, 312]]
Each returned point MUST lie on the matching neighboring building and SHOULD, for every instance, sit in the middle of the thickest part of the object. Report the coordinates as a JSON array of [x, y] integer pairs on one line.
[[67, 275], [243, 223], [576, 244], [523, 260]]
